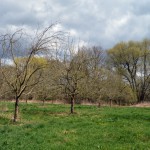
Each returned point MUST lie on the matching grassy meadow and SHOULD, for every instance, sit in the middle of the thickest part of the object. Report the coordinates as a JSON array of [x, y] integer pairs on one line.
[[52, 127]]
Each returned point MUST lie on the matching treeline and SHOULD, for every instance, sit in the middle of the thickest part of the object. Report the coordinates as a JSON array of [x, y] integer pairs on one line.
[[50, 67]]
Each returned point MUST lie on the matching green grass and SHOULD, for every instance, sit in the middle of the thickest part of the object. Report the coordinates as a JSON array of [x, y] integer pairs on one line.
[[51, 127]]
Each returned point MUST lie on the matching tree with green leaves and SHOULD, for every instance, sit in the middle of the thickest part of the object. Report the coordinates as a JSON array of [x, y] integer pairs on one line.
[[131, 60]]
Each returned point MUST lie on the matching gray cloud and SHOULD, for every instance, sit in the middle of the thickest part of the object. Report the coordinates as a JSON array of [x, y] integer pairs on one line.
[[101, 22]]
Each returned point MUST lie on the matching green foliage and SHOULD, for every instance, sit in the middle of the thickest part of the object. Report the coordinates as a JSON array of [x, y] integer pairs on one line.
[[34, 62], [52, 127], [131, 61]]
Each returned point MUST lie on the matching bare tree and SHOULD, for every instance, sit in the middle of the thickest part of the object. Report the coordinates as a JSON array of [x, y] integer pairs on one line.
[[73, 72], [19, 75], [96, 67]]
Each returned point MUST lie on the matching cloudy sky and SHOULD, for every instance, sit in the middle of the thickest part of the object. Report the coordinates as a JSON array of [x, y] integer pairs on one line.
[[99, 22]]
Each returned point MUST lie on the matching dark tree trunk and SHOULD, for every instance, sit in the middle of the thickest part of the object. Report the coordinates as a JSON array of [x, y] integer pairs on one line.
[[110, 102], [99, 104], [44, 99], [141, 97], [16, 109], [119, 102], [43, 102], [72, 105]]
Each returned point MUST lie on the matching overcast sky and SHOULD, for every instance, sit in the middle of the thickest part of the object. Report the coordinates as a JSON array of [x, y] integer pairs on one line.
[[100, 22]]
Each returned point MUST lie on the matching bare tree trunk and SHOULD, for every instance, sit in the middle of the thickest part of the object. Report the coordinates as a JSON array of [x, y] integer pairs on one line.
[[141, 98], [119, 102], [99, 104], [72, 105], [110, 102], [16, 109], [43, 101]]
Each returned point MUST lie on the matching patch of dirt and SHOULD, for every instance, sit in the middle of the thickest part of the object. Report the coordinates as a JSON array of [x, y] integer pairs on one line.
[[145, 104]]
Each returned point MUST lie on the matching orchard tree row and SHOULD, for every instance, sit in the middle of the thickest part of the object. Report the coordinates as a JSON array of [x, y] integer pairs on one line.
[[50, 66]]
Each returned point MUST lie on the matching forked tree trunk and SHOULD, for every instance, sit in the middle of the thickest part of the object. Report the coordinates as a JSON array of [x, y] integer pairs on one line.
[[16, 109], [72, 105], [44, 99]]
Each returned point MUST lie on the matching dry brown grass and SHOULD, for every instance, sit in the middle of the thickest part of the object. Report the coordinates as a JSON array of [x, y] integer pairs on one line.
[[144, 104]]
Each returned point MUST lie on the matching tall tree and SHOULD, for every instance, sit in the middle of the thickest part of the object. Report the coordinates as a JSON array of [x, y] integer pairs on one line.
[[73, 72], [20, 77], [131, 60], [93, 85]]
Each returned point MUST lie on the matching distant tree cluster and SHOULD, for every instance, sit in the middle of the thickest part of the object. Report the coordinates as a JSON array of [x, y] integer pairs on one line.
[[50, 67]]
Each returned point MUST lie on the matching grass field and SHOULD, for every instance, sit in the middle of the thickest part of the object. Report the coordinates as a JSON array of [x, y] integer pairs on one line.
[[51, 127]]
